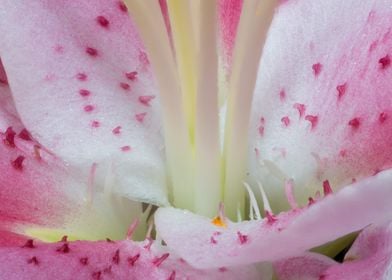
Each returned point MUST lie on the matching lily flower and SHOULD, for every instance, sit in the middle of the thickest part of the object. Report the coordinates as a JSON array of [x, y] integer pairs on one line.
[[231, 138]]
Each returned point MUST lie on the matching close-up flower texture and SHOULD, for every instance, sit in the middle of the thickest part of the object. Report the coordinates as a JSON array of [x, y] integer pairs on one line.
[[196, 139]]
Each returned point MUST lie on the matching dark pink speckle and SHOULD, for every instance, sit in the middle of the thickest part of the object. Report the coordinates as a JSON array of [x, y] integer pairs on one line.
[[384, 62], [282, 95], [125, 86], [285, 120], [122, 6], [117, 130], [84, 92], [242, 238], [317, 67], [341, 90], [95, 124], [382, 117], [126, 148], [89, 108], [18, 163], [81, 76], [146, 99], [312, 119], [103, 21], [91, 51], [131, 75], [301, 109], [354, 123], [140, 117]]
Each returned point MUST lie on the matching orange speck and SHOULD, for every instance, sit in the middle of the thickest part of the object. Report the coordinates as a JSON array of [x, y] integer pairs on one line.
[[218, 222]]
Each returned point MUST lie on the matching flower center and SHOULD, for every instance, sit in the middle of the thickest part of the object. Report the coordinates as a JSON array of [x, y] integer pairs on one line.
[[205, 166]]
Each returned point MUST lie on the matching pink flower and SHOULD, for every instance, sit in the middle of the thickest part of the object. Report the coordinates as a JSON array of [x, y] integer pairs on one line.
[[115, 117]]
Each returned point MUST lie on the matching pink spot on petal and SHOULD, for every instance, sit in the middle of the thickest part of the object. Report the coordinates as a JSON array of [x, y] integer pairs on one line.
[[63, 249], [327, 188], [117, 130], [146, 99], [213, 240], [317, 67], [223, 269], [91, 51], [282, 95], [33, 261], [172, 275], [25, 135], [89, 108], [125, 86], [29, 244], [95, 124], [131, 75], [122, 6], [81, 76], [301, 109], [158, 261], [261, 130], [382, 117], [116, 257], [84, 92], [384, 62], [354, 123], [132, 260], [126, 148], [83, 261], [312, 119], [102, 21], [286, 121], [341, 90], [140, 117], [270, 217], [242, 238], [9, 139], [18, 163]]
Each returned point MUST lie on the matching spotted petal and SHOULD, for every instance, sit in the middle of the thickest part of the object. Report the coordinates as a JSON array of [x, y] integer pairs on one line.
[[204, 244], [115, 260], [82, 85], [322, 106]]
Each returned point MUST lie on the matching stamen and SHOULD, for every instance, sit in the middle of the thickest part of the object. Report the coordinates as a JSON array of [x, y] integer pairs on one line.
[[266, 203], [253, 26], [254, 207], [132, 229], [207, 148], [148, 17]]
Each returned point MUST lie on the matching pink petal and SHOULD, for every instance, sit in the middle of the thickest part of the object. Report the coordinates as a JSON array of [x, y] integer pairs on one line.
[[8, 114], [370, 257], [33, 186], [68, 67], [105, 260], [205, 245], [325, 71], [305, 267]]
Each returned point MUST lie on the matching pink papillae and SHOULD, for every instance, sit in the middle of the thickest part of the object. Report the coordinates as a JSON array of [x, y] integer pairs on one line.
[[337, 96], [86, 72], [104, 260], [328, 218]]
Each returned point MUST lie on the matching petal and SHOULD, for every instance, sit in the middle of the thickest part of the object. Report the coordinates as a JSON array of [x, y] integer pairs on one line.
[[82, 84], [322, 106], [368, 258], [204, 245], [8, 114], [305, 267], [43, 197], [98, 260]]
